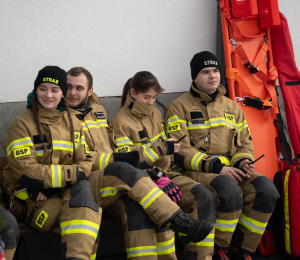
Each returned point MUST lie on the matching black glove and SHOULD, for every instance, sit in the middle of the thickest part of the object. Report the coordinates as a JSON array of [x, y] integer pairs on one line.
[[133, 158], [81, 176], [170, 147]]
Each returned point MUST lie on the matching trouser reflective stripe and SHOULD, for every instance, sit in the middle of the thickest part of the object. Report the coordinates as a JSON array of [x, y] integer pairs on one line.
[[93, 256], [103, 162], [150, 197], [79, 226], [56, 176], [108, 191], [253, 225], [164, 248], [208, 241], [226, 225], [141, 251]]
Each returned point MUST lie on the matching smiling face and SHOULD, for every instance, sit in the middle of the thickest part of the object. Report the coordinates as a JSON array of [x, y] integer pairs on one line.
[[49, 95], [78, 91], [147, 98], [208, 80]]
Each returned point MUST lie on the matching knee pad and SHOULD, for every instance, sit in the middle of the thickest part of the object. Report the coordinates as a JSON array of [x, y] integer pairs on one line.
[[266, 194], [125, 172], [228, 193], [206, 203], [81, 196], [137, 218]]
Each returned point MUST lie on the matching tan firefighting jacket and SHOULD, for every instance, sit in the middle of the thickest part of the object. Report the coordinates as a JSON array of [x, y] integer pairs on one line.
[[140, 127], [97, 133], [24, 151], [212, 127]]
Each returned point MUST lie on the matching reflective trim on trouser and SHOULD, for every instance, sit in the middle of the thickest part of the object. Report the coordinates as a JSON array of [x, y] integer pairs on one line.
[[208, 241], [253, 225], [150, 197], [93, 256], [79, 226], [167, 247], [226, 225], [141, 251]]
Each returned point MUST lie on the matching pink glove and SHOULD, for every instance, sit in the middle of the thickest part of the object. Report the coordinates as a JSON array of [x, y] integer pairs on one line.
[[170, 188]]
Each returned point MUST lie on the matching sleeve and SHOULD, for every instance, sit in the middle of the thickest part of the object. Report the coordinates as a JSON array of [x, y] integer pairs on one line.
[[245, 149], [26, 169], [149, 152], [188, 157]]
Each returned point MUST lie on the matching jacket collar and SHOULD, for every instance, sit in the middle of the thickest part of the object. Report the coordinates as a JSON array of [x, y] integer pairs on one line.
[[139, 109], [49, 116], [203, 96]]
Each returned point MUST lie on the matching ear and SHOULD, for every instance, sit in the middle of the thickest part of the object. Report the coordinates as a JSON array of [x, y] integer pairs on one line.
[[90, 92], [132, 92]]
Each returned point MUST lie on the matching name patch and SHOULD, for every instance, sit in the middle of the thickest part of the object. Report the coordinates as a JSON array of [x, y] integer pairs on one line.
[[99, 115], [174, 127], [87, 149], [41, 219], [55, 81], [21, 152], [123, 149], [230, 118]]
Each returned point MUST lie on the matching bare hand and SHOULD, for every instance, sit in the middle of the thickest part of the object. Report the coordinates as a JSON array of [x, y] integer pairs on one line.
[[233, 173], [40, 196], [176, 145], [249, 168]]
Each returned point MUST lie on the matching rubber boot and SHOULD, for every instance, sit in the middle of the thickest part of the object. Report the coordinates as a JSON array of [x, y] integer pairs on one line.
[[221, 254], [188, 229], [236, 254]]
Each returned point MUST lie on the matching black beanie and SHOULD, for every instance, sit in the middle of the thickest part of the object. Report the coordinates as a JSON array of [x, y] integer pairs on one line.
[[52, 74], [203, 60]]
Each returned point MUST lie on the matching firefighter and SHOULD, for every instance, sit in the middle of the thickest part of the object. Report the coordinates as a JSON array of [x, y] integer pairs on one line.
[[49, 165], [138, 126], [217, 148], [144, 219]]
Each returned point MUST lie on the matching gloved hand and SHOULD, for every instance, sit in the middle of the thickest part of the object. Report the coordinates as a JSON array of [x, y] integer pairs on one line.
[[169, 187], [133, 158], [81, 176]]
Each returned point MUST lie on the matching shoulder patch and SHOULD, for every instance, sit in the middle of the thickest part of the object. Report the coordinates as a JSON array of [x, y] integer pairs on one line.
[[87, 149], [22, 152], [174, 127], [123, 149], [76, 137], [41, 219], [196, 114], [99, 115], [230, 118]]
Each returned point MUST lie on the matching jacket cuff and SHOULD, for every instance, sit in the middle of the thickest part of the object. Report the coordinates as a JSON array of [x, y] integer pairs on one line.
[[236, 165], [217, 167]]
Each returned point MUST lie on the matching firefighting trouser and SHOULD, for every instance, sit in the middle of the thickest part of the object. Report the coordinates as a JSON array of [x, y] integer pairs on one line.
[[243, 210], [129, 194], [79, 218]]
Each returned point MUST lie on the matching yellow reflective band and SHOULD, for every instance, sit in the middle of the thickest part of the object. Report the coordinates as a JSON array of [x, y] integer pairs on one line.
[[23, 195], [19, 143], [153, 156], [164, 248], [226, 225], [62, 145], [108, 191], [241, 154], [150, 197], [195, 161], [19, 152], [93, 256], [224, 160], [286, 213], [123, 149], [104, 158], [41, 219], [98, 123], [79, 226], [123, 141], [141, 251], [56, 176], [175, 119], [182, 234], [252, 225], [208, 241]]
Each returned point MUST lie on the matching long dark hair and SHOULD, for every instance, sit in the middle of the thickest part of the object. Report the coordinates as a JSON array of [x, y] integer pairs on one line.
[[141, 82]]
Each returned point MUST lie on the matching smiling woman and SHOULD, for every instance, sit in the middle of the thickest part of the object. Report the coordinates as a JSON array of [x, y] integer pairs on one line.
[[49, 95]]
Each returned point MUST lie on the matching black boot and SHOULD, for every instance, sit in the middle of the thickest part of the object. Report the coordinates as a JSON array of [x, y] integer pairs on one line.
[[188, 229]]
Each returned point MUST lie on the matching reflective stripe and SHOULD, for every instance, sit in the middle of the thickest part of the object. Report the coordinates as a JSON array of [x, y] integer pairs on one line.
[[195, 161], [123, 141], [23, 195], [164, 248], [108, 191], [241, 154], [226, 225], [39, 150], [56, 176], [208, 241], [82, 141], [79, 226], [175, 119], [151, 154], [93, 256], [154, 139], [253, 225], [286, 213], [90, 124], [23, 142], [141, 251], [150, 197], [104, 158], [62, 145]]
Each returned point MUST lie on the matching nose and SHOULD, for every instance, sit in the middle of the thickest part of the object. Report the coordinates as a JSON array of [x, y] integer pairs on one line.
[[71, 91], [48, 93], [151, 101]]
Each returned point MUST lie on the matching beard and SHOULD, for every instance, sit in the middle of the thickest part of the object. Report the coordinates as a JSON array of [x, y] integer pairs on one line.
[[81, 104]]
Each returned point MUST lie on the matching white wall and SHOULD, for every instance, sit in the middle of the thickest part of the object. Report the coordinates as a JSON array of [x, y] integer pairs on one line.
[[112, 38]]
